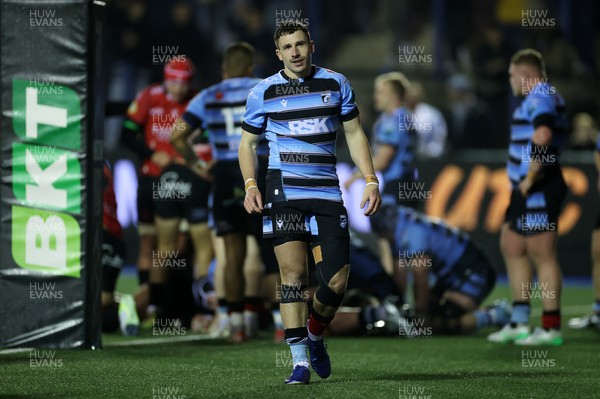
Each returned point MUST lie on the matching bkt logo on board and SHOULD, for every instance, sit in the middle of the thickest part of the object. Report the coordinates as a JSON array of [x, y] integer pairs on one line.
[[47, 177]]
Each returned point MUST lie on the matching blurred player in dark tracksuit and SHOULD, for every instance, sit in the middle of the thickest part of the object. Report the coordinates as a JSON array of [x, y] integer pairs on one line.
[[122, 314], [538, 134]]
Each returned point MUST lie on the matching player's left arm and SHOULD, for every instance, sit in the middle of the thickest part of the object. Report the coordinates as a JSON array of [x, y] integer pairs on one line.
[[382, 158], [182, 130], [360, 151], [253, 125], [248, 163]]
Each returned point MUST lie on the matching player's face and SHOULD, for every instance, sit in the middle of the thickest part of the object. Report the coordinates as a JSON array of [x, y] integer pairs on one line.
[[177, 90], [295, 51], [382, 96], [516, 75]]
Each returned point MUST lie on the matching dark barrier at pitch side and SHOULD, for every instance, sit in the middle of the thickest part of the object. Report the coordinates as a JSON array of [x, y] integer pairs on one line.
[[51, 159]]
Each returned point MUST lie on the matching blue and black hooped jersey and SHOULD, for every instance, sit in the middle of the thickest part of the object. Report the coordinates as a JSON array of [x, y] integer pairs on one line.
[[300, 119], [542, 106], [397, 130], [219, 110], [417, 234]]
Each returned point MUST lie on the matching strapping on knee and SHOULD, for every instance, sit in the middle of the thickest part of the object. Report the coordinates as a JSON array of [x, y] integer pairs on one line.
[[326, 296], [331, 256]]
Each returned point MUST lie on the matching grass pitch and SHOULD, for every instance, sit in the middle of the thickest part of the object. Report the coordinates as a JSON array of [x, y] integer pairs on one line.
[[190, 366]]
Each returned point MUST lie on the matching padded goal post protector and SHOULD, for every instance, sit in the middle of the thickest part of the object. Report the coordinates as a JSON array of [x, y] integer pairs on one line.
[[51, 160]]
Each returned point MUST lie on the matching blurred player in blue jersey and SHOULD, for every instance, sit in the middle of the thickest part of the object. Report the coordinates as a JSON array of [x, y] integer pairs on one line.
[[299, 110], [219, 110], [463, 275], [395, 138], [432, 250], [394, 153], [593, 319], [538, 134]]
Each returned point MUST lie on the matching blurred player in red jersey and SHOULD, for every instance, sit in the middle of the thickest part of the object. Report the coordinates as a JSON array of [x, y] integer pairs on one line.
[[122, 314], [146, 131], [182, 195]]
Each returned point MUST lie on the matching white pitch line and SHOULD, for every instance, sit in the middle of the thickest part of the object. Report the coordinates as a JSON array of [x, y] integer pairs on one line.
[[15, 350], [165, 340], [133, 342]]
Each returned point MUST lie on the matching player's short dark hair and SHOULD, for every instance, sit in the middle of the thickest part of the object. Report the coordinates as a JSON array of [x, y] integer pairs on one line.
[[238, 58], [288, 28], [397, 80], [531, 57]]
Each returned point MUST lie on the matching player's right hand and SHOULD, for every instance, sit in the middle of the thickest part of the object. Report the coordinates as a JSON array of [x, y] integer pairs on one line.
[[253, 200], [161, 158]]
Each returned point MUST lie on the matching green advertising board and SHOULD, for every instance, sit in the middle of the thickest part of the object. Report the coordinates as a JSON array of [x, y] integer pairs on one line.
[[49, 191]]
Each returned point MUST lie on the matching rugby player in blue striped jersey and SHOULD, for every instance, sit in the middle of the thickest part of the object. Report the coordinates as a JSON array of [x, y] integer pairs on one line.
[[538, 134], [218, 110], [299, 110]]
